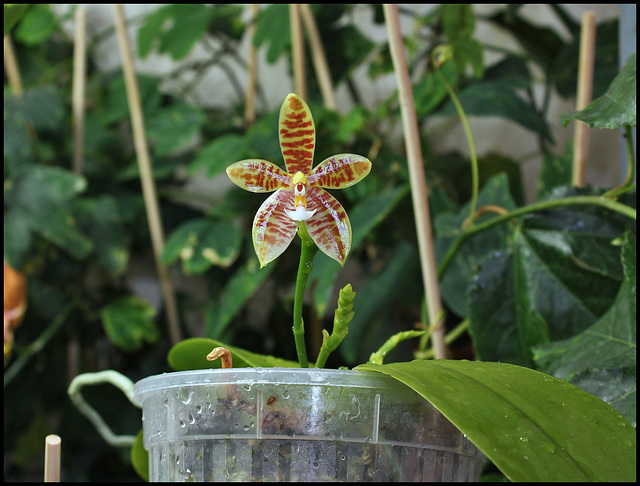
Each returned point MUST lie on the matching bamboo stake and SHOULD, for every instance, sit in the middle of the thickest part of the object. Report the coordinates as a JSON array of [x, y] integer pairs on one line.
[[585, 88], [78, 96], [146, 175], [417, 178], [250, 105], [319, 58], [52, 449], [11, 66], [297, 43]]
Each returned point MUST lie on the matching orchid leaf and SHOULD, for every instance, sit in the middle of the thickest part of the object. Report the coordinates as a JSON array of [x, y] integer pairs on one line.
[[128, 321], [616, 108], [171, 128], [140, 457], [191, 354], [532, 426]]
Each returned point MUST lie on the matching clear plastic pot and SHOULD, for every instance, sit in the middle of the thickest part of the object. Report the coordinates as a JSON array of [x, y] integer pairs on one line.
[[283, 424]]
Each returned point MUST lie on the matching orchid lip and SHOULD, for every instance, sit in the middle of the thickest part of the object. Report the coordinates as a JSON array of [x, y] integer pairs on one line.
[[300, 214]]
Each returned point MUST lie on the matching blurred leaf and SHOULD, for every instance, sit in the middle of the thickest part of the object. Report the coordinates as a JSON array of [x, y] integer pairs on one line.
[[39, 109], [458, 24], [140, 457], [128, 321], [100, 219], [273, 28], [348, 48], [174, 29], [497, 98], [116, 104], [220, 153], [365, 216], [616, 108], [379, 290], [532, 426], [200, 243], [555, 171], [171, 128], [39, 200], [235, 295], [13, 12], [430, 92], [191, 354], [36, 26]]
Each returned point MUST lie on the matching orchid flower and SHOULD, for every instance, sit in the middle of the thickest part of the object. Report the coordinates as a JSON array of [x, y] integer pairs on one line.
[[299, 196]]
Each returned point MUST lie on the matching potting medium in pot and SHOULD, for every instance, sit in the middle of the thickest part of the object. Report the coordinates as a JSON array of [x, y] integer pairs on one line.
[[284, 424]]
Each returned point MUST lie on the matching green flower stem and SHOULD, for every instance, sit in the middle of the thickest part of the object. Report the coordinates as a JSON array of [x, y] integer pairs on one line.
[[540, 206], [440, 55], [342, 318], [307, 253], [391, 343]]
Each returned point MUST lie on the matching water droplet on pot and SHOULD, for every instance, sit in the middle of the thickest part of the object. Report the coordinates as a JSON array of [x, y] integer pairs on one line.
[[198, 408], [182, 424], [247, 387], [286, 394], [192, 419]]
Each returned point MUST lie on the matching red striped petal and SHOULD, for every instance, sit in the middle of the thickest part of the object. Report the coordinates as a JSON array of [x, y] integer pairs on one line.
[[329, 227], [273, 230], [340, 171], [258, 175], [297, 135]]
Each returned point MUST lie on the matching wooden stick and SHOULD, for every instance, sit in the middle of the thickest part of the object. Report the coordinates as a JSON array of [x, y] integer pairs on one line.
[[78, 96], [249, 106], [417, 179], [297, 44], [585, 88], [319, 58], [13, 73], [146, 174], [52, 449]]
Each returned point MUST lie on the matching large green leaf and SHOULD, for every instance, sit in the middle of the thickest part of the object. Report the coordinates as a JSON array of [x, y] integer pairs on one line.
[[13, 12], [466, 263], [559, 275], [128, 321], [614, 109], [200, 243], [532, 426], [191, 354], [273, 28], [37, 25]]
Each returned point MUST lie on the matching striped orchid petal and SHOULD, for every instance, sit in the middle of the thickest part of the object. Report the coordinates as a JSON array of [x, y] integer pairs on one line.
[[340, 171], [257, 175], [297, 135], [329, 228], [273, 229]]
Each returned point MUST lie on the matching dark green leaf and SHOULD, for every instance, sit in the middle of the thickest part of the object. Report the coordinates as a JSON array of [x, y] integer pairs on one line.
[[128, 321], [116, 105], [616, 108], [430, 92], [100, 220], [200, 243], [532, 426], [191, 354], [555, 171], [448, 228], [171, 128]]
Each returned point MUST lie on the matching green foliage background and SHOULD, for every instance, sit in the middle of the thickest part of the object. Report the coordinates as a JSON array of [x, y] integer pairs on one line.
[[552, 291]]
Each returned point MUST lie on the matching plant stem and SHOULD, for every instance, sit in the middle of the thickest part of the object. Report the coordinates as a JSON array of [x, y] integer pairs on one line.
[[467, 132], [308, 251], [449, 338]]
